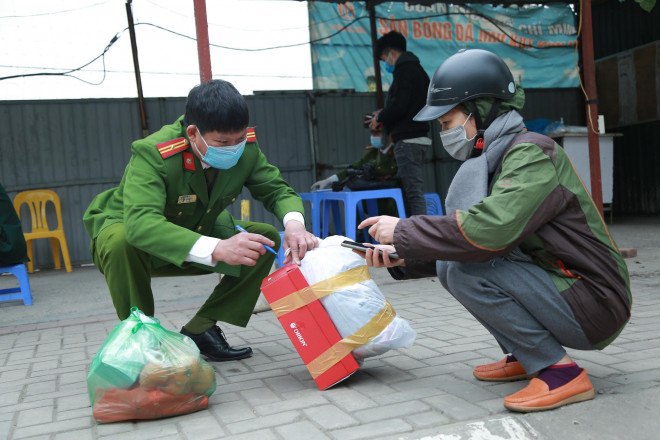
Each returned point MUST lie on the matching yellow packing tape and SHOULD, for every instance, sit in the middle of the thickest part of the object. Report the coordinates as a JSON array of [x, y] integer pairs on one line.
[[364, 335], [307, 295]]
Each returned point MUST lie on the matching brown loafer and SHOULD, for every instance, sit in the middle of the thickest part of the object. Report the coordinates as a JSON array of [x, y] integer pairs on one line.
[[501, 371], [538, 397]]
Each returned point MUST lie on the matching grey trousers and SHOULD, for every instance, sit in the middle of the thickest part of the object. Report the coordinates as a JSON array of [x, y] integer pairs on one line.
[[519, 305], [409, 159]]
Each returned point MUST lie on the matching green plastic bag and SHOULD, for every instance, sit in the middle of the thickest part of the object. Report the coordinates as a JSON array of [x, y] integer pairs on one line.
[[140, 360]]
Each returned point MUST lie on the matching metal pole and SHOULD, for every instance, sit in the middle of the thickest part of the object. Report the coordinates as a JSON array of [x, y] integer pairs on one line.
[[372, 23], [589, 72], [136, 65], [203, 50]]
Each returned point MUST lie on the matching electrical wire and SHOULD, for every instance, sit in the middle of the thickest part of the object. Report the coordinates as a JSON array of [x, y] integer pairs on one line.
[[150, 72], [55, 12], [259, 49], [226, 26], [68, 72]]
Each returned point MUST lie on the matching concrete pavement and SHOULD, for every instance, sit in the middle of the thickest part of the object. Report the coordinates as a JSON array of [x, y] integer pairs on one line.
[[424, 392]]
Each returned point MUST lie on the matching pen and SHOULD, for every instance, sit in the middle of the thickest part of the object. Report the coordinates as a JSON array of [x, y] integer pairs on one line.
[[268, 248]]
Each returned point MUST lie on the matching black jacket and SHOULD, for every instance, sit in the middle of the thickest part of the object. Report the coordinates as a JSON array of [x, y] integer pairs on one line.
[[406, 97]]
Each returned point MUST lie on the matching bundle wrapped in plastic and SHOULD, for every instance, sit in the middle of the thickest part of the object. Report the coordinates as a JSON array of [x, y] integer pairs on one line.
[[352, 305], [143, 371]]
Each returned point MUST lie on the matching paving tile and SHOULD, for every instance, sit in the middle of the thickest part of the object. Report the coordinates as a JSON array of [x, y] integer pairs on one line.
[[283, 418], [233, 412], [201, 428], [373, 430], [293, 401], [426, 419], [301, 431], [330, 417], [52, 428], [34, 416], [456, 407], [392, 411]]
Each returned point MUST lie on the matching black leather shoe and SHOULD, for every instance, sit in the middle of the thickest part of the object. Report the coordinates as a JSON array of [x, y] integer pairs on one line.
[[213, 345]]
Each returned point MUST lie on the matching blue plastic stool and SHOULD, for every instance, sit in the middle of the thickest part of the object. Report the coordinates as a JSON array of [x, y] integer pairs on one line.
[[433, 204], [14, 293], [352, 202], [317, 204], [315, 199], [279, 258]]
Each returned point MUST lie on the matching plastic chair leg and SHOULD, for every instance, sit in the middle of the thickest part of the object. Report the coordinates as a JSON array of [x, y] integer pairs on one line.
[[24, 283], [326, 218], [30, 263], [336, 216], [349, 215], [55, 247], [65, 254]]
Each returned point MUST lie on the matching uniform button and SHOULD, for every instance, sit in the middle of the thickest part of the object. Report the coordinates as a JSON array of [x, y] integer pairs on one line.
[[208, 211], [233, 199], [180, 212], [199, 228]]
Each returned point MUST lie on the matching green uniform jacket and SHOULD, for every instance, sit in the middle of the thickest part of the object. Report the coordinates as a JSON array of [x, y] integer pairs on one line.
[[165, 205], [537, 202]]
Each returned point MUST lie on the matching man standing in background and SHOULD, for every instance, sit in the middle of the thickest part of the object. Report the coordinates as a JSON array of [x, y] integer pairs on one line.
[[406, 97]]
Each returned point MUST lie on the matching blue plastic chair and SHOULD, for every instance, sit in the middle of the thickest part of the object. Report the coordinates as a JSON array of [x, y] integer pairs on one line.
[[352, 203], [315, 199], [433, 204], [21, 292]]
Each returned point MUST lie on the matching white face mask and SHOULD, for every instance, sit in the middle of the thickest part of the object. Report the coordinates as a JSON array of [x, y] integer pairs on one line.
[[456, 142]]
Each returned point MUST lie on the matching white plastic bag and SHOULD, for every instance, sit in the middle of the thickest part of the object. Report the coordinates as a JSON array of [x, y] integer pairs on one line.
[[352, 307]]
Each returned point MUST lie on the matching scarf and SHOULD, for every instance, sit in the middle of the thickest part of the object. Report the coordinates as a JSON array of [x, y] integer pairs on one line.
[[470, 185]]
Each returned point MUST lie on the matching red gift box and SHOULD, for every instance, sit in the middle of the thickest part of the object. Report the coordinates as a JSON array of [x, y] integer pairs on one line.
[[309, 327]]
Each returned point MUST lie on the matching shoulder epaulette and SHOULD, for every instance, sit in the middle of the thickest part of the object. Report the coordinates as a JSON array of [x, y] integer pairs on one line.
[[169, 148], [251, 136]]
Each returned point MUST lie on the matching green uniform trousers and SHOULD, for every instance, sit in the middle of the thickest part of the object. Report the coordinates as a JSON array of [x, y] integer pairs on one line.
[[128, 272]]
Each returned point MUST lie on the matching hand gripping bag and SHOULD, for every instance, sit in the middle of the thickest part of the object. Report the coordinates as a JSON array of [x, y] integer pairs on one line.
[[144, 371], [351, 305]]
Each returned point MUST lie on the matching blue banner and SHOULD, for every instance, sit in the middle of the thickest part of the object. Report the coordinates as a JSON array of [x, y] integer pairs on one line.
[[538, 42]]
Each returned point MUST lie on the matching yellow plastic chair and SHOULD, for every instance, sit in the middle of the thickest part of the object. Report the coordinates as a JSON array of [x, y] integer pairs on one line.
[[37, 201]]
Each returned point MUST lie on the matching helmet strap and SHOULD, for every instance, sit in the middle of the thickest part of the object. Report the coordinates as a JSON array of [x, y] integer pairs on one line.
[[479, 142], [472, 108]]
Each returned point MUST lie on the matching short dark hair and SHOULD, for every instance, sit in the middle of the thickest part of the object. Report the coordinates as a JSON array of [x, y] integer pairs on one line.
[[216, 105], [391, 40]]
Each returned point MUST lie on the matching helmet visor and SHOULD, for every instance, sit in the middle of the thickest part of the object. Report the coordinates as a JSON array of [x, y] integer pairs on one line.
[[431, 112]]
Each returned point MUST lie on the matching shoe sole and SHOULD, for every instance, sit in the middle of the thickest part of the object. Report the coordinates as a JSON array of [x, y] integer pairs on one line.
[[237, 358], [587, 395], [505, 379]]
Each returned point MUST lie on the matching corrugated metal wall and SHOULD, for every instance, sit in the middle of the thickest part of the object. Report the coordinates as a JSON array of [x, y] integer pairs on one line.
[[80, 148], [619, 27]]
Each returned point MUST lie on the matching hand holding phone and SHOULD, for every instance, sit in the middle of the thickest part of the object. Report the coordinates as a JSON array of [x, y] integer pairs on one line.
[[363, 248]]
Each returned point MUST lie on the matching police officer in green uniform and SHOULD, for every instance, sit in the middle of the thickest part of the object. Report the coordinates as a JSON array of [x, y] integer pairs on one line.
[[167, 217], [378, 156]]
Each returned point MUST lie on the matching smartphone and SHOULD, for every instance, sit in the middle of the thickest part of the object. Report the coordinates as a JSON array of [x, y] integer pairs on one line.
[[362, 248]]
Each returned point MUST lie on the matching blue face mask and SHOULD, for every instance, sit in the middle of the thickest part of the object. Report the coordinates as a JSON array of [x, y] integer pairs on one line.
[[389, 68], [222, 158], [376, 142]]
